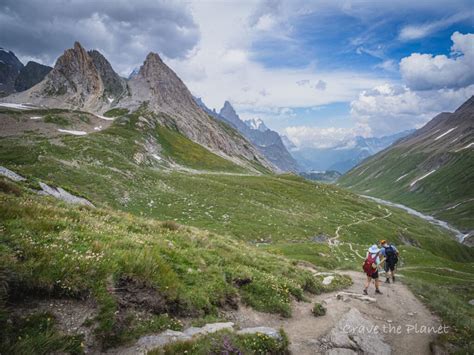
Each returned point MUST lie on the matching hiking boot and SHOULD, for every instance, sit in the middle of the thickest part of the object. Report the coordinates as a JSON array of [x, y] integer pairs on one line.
[[378, 291], [365, 292], [387, 280]]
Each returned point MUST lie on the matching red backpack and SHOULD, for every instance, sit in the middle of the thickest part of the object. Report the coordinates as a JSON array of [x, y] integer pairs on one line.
[[367, 267]]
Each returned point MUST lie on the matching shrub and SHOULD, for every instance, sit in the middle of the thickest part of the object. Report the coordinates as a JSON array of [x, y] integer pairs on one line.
[[171, 225], [318, 310], [9, 188], [59, 120]]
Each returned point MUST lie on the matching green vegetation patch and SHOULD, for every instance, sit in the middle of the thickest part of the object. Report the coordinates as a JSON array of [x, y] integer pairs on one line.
[[116, 112], [56, 119], [225, 342], [318, 310]]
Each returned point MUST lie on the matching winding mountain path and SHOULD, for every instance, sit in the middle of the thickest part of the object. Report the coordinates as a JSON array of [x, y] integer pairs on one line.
[[334, 241], [394, 313]]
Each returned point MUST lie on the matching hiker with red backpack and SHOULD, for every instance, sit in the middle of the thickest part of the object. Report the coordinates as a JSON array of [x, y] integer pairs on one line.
[[390, 253], [371, 268]]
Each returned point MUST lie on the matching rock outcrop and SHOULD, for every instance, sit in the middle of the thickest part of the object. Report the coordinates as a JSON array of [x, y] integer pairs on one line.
[[354, 334], [150, 342], [10, 67], [115, 87], [30, 75]]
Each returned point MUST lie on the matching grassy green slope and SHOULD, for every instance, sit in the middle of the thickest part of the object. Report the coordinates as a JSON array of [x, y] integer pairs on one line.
[[447, 187], [280, 213], [58, 250]]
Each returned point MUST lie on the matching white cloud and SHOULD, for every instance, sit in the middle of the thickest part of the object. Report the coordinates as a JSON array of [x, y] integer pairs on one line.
[[412, 32], [316, 137], [265, 22], [388, 65], [222, 67], [427, 72], [391, 108]]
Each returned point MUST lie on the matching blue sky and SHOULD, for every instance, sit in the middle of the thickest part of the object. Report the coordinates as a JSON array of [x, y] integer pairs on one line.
[[327, 69], [316, 69]]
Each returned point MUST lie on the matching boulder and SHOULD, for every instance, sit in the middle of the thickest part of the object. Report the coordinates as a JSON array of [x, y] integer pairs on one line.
[[356, 333]]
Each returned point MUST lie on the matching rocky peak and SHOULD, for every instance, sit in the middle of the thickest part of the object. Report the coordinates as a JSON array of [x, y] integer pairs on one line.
[[114, 85], [229, 114], [31, 74], [9, 58], [162, 88], [10, 67], [75, 72], [228, 111]]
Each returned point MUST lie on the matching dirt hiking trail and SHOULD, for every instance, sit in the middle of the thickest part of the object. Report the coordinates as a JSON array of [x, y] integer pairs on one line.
[[328, 334]]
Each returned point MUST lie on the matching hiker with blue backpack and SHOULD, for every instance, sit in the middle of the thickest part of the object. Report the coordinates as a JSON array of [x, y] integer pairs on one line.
[[390, 253], [371, 268]]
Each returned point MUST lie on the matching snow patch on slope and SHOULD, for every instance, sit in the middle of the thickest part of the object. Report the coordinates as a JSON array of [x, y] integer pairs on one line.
[[17, 106], [103, 117], [401, 177], [465, 147], [445, 133], [421, 178], [75, 133]]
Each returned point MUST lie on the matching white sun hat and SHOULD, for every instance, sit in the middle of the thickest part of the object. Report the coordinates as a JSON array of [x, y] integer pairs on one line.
[[374, 249]]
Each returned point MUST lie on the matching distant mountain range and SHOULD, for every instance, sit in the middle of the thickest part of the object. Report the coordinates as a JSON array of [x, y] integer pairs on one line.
[[16, 77], [329, 176], [431, 170], [268, 142], [343, 156]]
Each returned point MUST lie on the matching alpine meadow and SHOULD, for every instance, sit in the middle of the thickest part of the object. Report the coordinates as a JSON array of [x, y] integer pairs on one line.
[[326, 208]]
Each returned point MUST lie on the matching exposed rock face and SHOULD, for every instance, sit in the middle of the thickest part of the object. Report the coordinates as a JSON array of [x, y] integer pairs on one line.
[[164, 92], [30, 75], [75, 78], [268, 142], [10, 67], [10, 174], [114, 86], [62, 194], [353, 332], [150, 342], [228, 113], [74, 82]]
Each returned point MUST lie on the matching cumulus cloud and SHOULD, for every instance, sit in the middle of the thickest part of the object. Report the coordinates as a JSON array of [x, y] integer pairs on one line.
[[225, 54], [412, 32], [392, 108], [427, 72], [124, 31], [316, 137]]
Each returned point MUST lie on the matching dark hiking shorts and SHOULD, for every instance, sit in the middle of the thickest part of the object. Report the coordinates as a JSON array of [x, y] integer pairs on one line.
[[375, 275], [389, 265]]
